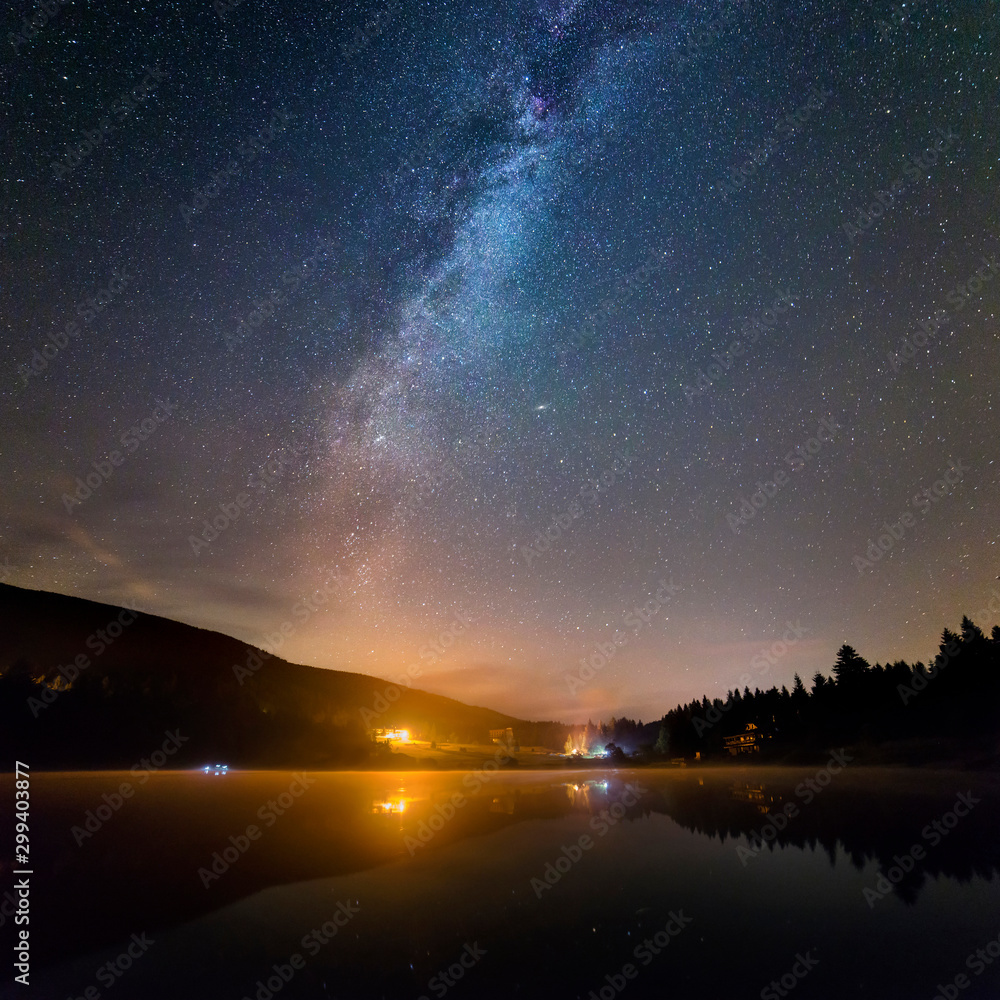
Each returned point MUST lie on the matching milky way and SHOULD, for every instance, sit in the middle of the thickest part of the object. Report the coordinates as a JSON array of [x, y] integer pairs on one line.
[[526, 315]]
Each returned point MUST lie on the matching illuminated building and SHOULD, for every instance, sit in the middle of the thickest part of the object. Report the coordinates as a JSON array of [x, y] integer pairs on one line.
[[749, 741], [391, 735]]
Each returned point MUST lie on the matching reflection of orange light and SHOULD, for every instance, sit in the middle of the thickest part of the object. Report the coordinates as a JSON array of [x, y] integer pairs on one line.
[[579, 795], [390, 807]]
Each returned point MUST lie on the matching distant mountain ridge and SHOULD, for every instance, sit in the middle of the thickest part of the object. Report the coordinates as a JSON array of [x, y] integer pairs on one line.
[[86, 684]]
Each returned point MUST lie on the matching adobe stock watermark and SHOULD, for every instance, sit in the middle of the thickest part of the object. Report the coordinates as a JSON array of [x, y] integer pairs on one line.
[[240, 843], [919, 680], [286, 459], [418, 155], [958, 297], [797, 458], [591, 142], [248, 151], [465, 452], [985, 614], [224, 7], [301, 612], [762, 663], [977, 963], [94, 819], [906, 521], [445, 811], [470, 956], [103, 470], [702, 37], [644, 952], [109, 973], [430, 652], [563, 521], [440, 643], [419, 152], [571, 854], [750, 332], [784, 128], [363, 37], [900, 16], [122, 108], [781, 987], [933, 834], [88, 309], [806, 791], [97, 642], [313, 942], [604, 652], [625, 289], [292, 280], [383, 700], [914, 168], [31, 27]]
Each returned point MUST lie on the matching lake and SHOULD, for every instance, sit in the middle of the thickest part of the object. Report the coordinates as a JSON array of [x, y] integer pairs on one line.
[[714, 883]]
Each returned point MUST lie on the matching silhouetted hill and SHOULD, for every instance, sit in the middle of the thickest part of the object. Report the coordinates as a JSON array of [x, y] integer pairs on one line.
[[84, 684]]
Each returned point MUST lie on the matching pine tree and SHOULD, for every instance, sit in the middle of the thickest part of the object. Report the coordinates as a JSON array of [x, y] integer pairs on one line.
[[948, 638], [970, 631], [849, 665]]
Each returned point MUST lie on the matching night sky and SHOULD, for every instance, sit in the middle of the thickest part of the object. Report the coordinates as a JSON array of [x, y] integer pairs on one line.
[[403, 286]]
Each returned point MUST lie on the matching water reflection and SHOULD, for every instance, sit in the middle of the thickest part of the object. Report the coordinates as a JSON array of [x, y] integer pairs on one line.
[[585, 794], [391, 804], [868, 821], [139, 870], [756, 795]]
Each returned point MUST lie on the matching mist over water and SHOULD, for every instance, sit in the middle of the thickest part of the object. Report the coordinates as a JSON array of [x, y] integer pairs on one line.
[[693, 882]]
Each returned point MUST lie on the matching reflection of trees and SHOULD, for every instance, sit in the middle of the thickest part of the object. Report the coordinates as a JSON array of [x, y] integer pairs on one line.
[[862, 817], [866, 818], [351, 823], [756, 794]]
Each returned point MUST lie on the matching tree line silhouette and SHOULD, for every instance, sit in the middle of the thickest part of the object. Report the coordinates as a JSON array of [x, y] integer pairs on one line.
[[954, 697], [159, 675]]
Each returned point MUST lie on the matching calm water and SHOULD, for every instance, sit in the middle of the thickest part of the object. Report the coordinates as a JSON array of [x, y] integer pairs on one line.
[[372, 885]]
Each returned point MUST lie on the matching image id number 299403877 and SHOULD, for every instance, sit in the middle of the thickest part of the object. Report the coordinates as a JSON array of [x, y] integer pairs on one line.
[[22, 853]]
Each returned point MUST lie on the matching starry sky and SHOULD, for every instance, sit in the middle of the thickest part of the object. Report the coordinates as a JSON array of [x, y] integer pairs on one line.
[[325, 315]]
